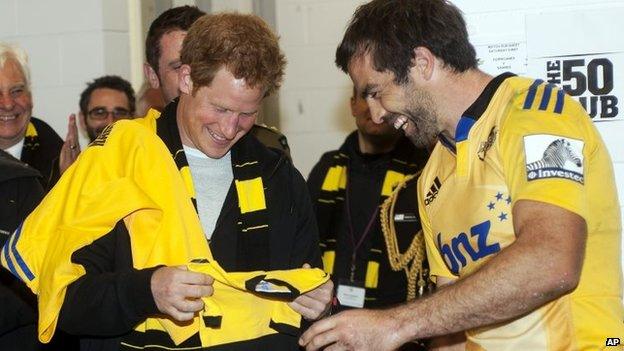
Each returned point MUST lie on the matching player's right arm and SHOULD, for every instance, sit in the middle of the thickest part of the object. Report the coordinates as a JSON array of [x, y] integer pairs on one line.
[[107, 300], [111, 298]]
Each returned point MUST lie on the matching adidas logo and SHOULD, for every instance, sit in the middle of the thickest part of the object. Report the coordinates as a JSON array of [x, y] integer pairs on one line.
[[433, 191]]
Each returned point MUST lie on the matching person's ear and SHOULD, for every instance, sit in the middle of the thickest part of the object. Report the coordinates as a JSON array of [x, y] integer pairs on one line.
[[423, 63], [151, 75], [185, 83], [352, 103]]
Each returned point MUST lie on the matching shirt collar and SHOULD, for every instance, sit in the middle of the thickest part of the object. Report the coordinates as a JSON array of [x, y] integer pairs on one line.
[[16, 150], [475, 111]]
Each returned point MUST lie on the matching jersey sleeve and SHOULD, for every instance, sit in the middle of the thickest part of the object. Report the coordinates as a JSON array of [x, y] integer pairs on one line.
[[545, 155], [110, 181]]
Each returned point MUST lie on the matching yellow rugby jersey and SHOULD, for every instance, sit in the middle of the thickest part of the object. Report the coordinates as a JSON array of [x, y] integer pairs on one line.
[[128, 173], [527, 140]]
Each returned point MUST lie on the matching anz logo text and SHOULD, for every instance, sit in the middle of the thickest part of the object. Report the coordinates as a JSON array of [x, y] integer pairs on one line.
[[453, 254]]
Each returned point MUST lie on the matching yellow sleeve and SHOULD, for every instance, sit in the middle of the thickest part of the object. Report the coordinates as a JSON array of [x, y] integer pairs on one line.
[[544, 156], [92, 195]]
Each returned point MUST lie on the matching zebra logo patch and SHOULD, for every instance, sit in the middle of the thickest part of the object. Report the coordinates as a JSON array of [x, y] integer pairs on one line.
[[552, 156]]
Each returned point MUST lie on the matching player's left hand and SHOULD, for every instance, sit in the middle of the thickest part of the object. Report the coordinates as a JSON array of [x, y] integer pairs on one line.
[[360, 329], [315, 303]]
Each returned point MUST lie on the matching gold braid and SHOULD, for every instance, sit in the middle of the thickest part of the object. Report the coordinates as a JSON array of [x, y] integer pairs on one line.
[[415, 254]]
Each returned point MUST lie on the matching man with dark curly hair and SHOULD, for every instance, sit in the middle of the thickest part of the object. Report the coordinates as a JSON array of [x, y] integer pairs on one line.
[[518, 202]]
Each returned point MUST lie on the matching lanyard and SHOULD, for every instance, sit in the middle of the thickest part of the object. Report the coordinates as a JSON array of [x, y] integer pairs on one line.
[[367, 230]]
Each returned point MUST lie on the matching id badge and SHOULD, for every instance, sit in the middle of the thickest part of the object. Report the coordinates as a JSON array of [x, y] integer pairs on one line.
[[351, 294]]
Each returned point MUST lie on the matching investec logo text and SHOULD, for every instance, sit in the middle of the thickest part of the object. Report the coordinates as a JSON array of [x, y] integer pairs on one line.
[[555, 173]]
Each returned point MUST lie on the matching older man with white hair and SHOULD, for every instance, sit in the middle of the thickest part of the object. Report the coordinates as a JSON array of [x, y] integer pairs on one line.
[[26, 138]]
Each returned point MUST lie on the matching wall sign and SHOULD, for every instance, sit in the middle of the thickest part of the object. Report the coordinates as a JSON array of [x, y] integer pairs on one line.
[[592, 79]]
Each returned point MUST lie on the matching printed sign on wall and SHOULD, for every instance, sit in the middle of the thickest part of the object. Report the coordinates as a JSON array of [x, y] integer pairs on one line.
[[581, 52], [592, 79]]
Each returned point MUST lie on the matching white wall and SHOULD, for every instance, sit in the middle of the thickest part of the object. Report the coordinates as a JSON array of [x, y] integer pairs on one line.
[[313, 104], [70, 42]]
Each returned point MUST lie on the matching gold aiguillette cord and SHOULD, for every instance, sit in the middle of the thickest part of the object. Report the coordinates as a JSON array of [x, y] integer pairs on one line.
[[410, 261]]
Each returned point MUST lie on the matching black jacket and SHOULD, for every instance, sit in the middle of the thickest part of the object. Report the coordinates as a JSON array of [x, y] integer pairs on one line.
[[20, 192], [365, 178], [42, 152], [112, 297]]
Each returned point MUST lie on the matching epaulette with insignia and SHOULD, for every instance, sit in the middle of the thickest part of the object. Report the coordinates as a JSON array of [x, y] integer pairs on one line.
[[271, 137]]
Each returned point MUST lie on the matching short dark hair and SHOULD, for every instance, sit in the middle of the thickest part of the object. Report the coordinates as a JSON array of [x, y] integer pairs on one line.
[[177, 18], [390, 30], [109, 82]]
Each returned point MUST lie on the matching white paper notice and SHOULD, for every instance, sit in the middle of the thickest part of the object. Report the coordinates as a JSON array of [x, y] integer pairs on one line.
[[497, 58]]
